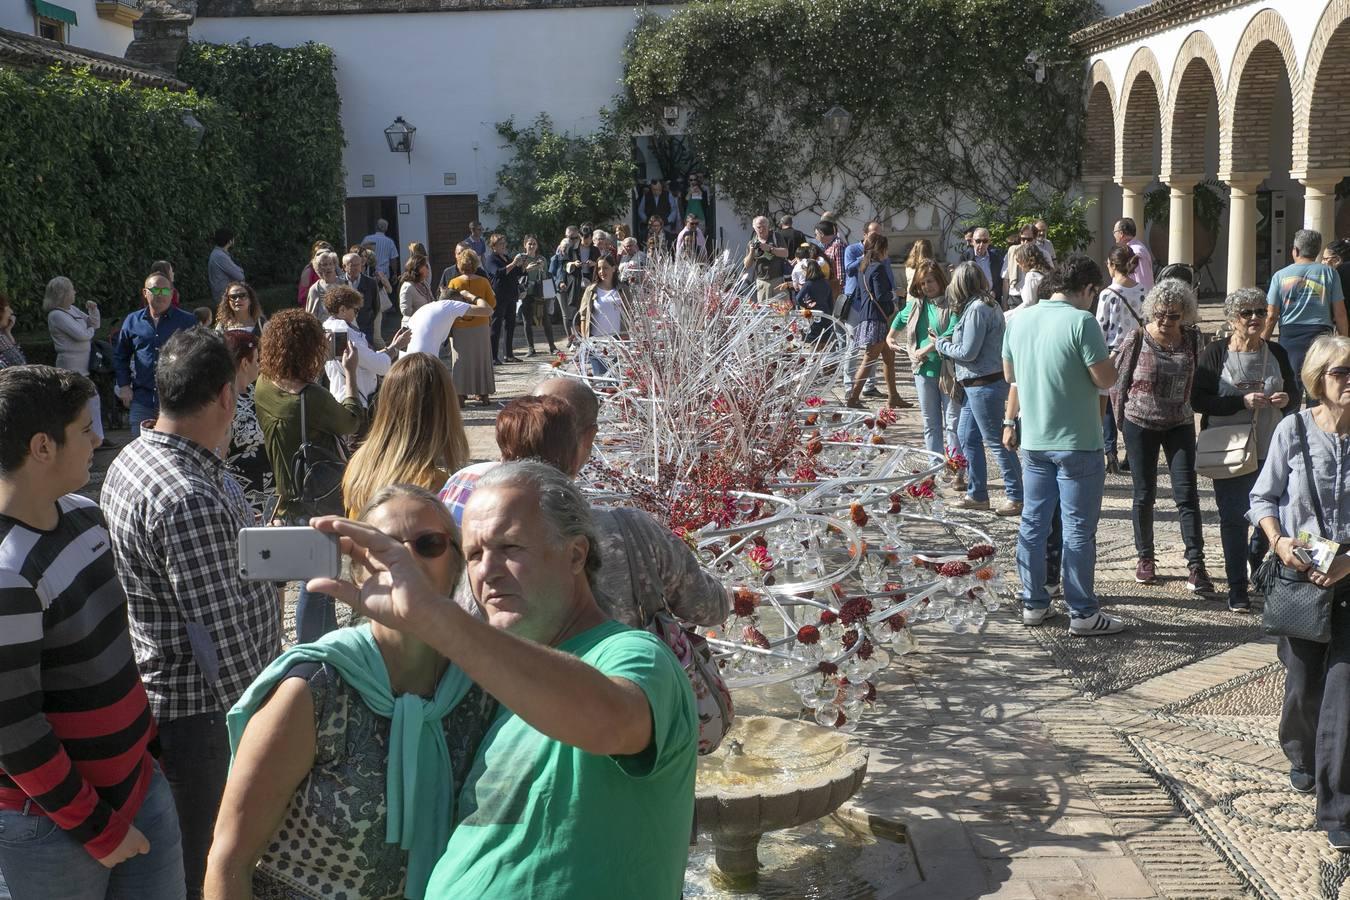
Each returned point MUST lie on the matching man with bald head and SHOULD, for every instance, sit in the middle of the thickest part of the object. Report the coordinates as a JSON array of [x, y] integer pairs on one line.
[[137, 352]]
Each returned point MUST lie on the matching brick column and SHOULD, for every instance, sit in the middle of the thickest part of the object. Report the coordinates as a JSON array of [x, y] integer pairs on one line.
[[1132, 199], [1319, 201], [1181, 218], [1241, 228]]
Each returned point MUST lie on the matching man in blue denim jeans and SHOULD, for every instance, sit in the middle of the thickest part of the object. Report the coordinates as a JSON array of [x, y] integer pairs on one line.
[[1056, 355]]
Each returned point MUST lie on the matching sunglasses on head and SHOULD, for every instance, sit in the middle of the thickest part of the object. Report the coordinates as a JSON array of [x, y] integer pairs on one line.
[[430, 544], [1167, 317], [1257, 313]]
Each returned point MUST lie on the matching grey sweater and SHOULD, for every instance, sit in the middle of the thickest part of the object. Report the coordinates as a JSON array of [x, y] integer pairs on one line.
[[1284, 487]]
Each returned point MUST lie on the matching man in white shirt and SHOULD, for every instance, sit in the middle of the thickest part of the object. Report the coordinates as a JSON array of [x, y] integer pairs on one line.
[[430, 326], [1043, 241], [386, 251], [1126, 234], [343, 303]]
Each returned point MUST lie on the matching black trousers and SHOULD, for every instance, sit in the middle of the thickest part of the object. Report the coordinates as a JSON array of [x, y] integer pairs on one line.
[[504, 319], [195, 756], [1178, 447], [527, 310], [1315, 723]]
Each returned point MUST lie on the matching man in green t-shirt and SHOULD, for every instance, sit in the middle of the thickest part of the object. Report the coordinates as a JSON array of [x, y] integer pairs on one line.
[[584, 785], [1056, 356]]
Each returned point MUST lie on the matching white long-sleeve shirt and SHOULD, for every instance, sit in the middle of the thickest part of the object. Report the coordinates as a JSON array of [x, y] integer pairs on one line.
[[371, 364]]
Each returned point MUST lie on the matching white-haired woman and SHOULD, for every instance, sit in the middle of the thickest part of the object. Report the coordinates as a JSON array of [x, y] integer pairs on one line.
[[1305, 469], [1243, 380], [73, 331], [330, 276], [976, 346], [1153, 411]]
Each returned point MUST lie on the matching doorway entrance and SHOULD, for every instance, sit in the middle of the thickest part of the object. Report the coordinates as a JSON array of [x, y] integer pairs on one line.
[[362, 214], [448, 218]]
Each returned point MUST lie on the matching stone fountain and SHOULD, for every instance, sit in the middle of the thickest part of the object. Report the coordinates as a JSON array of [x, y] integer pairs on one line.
[[770, 774]]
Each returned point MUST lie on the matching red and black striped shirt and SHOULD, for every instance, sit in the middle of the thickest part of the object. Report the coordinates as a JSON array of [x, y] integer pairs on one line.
[[75, 724]]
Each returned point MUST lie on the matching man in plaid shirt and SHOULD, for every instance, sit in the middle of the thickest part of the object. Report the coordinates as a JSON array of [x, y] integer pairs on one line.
[[201, 634]]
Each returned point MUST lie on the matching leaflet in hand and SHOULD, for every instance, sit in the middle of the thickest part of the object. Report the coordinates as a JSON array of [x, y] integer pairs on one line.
[[1320, 549]]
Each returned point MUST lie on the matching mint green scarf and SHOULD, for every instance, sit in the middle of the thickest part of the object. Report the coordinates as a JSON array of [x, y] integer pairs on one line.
[[419, 784]]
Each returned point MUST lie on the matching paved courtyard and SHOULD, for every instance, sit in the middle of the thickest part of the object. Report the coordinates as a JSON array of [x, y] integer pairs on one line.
[[1026, 764]]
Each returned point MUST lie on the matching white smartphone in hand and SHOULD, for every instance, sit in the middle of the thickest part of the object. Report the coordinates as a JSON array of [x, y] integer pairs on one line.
[[288, 554]]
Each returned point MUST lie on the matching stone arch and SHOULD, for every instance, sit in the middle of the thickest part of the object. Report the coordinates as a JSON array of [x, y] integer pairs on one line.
[[1195, 84], [1322, 120], [1099, 131], [1140, 121], [1264, 55]]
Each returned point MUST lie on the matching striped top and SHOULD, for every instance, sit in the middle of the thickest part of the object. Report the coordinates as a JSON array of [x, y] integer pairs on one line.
[[75, 724]]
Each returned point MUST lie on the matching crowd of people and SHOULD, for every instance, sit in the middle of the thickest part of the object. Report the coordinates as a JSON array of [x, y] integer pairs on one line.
[[507, 716]]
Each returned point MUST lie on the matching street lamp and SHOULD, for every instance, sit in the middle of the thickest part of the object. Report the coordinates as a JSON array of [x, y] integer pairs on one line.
[[837, 120], [192, 124], [400, 137]]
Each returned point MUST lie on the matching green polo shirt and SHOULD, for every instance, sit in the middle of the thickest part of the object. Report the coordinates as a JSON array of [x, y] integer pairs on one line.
[[1051, 346]]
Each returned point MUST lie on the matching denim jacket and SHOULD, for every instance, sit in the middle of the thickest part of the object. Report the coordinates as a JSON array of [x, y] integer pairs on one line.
[[976, 346]]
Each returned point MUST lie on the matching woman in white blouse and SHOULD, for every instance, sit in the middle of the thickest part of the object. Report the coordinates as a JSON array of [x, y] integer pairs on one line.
[[602, 308], [73, 330]]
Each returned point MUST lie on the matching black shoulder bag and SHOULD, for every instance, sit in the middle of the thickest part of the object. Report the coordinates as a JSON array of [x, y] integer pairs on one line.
[[1295, 607], [317, 473]]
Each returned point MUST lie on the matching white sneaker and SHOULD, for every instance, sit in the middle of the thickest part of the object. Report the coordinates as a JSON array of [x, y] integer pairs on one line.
[[1033, 617], [1096, 626], [1055, 590]]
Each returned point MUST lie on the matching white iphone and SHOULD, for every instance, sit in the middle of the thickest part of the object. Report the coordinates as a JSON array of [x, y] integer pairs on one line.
[[288, 554]]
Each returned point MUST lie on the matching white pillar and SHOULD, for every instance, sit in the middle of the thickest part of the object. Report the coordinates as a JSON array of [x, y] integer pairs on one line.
[[1242, 228], [1132, 200], [1096, 222], [1319, 201], [1181, 219]]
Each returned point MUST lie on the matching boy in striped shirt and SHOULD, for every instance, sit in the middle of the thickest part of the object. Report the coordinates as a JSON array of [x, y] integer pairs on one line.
[[84, 810]]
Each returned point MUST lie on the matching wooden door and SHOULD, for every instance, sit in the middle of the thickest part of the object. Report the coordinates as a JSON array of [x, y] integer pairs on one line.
[[448, 218]]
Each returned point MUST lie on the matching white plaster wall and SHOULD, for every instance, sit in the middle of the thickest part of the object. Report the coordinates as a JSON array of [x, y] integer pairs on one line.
[[453, 75], [92, 33]]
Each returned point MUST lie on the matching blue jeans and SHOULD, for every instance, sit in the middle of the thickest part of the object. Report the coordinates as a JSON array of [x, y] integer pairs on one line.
[[933, 408], [951, 417], [140, 411], [981, 425], [1074, 480], [1296, 339], [40, 861], [1109, 431], [1241, 541], [314, 616]]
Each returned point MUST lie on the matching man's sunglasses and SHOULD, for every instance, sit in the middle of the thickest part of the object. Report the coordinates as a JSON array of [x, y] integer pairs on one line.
[[1258, 313], [1167, 317], [160, 292], [982, 240], [430, 544]]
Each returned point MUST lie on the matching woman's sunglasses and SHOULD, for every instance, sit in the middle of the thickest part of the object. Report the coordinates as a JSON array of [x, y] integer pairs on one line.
[[1167, 317], [1339, 371], [430, 544], [1258, 313], [239, 296]]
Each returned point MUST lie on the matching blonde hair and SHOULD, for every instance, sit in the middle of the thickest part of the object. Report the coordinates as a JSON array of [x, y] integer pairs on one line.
[[59, 294], [417, 436], [922, 250], [1328, 349]]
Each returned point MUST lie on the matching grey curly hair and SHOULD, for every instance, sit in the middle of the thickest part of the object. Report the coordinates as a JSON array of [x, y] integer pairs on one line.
[[562, 505], [1172, 292], [1243, 298]]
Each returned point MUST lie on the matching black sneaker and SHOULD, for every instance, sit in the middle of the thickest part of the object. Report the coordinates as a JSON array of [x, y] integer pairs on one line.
[[1239, 602], [1302, 781], [1339, 840], [1198, 582]]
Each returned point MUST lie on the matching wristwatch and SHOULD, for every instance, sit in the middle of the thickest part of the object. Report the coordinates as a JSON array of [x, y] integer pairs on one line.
[[1009, 423]]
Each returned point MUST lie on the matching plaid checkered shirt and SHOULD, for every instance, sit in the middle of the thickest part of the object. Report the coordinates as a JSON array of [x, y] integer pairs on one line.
[[201, 633]]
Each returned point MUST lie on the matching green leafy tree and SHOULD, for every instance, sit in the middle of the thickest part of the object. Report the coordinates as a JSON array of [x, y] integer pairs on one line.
[[555, 179], [1065, 218], [290, 132], [939, 96]]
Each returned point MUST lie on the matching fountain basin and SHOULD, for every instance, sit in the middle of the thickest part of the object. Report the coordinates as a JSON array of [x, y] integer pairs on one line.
[[770, 774]]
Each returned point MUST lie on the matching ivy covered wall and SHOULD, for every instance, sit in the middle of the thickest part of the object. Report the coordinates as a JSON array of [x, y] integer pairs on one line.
[[98, 180]]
